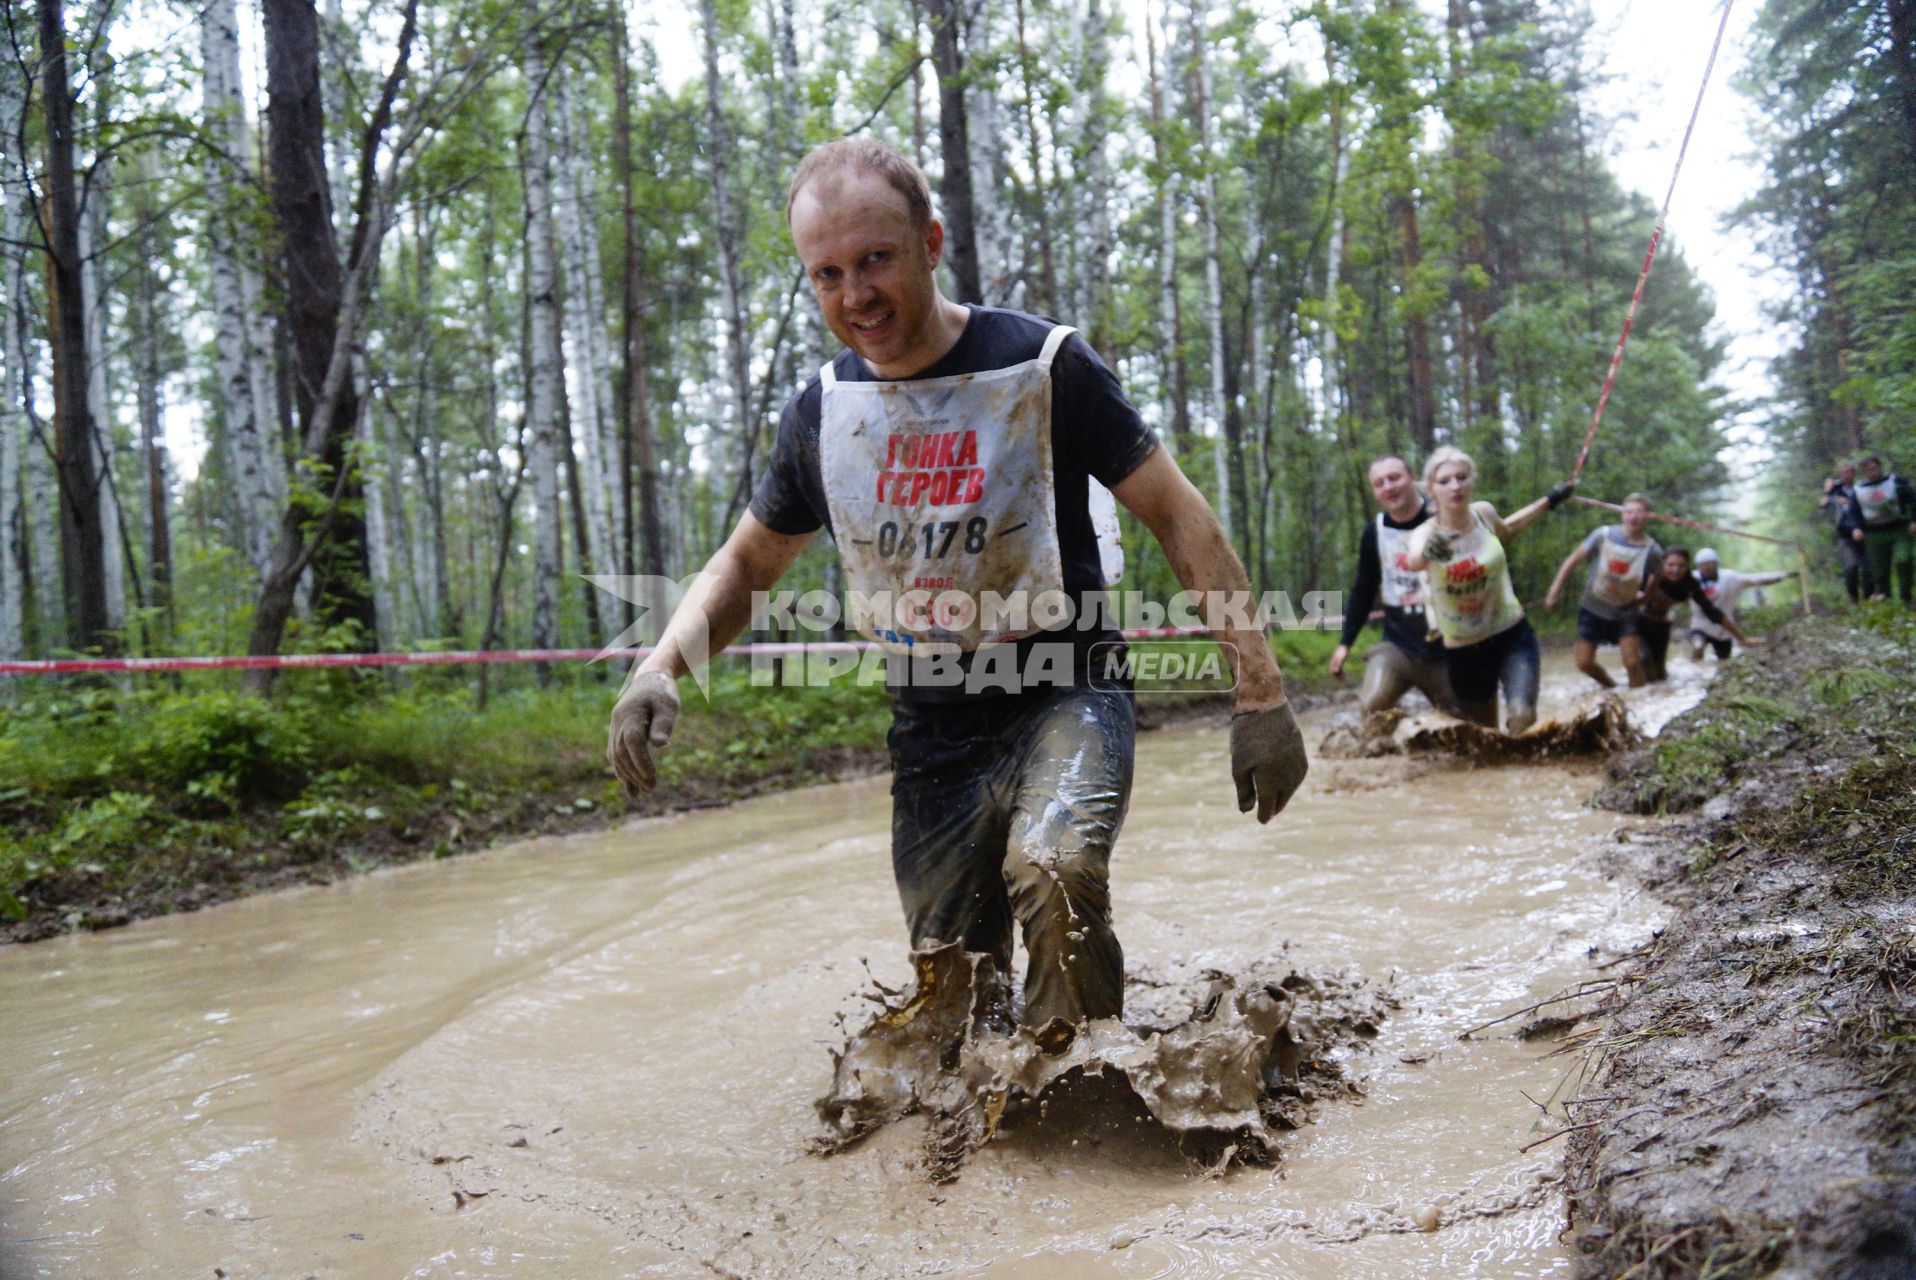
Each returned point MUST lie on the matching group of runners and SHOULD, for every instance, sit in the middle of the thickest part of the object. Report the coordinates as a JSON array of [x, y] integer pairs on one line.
[[964, 450], [1435, 562], [1874, 516]]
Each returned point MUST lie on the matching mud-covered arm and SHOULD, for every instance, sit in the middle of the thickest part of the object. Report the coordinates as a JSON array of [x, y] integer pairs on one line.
[[1268, 760], [1363, 594], [719, 604], [710, 617], [1201, 557]]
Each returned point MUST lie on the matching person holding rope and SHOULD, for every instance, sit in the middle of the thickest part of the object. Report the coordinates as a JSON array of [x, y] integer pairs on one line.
[[1882, 521], [1674, 584], [1405, 658], [1488, 642], [1722, 588], [1839, 496], [1624, 557], [954, 444]]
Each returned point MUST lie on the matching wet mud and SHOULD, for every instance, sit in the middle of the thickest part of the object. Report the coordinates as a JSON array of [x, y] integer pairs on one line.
[[601, 1054], [1221, 1063], [1590, 726]]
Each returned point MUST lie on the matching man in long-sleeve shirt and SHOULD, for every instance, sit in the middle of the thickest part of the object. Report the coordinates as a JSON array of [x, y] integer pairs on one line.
[[1405, 658]]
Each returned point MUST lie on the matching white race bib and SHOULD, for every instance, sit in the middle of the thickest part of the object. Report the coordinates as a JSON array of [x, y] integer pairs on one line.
[[943, 502], [1401, 588]]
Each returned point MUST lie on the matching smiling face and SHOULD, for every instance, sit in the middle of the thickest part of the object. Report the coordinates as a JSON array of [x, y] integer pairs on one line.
[[1451, 484], [1872, 470], [871, 268], [1676, 566], [1391, 485], [1636, 517]]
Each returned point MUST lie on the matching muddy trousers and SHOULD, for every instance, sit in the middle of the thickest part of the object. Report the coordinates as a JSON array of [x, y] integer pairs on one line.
[[1005, 809], [1856, 579], [1389, 672], [1891, 555]]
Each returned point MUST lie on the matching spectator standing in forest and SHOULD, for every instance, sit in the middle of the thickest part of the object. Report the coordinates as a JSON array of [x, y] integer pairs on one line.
[[979, 429], [1839, 495], [1623, 557], [1488, 642], [1722, 588], [1406, 658], [1882, 521]]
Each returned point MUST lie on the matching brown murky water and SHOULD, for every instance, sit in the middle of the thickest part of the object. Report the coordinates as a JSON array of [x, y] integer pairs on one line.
[[596, 1056]]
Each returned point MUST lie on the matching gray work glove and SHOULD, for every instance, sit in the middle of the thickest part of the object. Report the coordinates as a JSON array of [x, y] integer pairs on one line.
[[1267, 759], [1437, 548], [642, 721]]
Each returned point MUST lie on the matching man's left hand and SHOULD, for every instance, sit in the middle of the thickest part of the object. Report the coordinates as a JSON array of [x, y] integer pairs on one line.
[[1268, 762]]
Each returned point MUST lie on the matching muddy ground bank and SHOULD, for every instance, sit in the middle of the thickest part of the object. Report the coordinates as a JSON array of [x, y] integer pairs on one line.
[[1749, 1107]]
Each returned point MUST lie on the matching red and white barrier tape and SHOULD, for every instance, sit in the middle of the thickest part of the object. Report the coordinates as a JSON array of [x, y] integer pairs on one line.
[[294, 661]]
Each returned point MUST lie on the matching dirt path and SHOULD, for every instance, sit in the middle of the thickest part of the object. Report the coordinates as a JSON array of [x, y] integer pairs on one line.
[[1752, 1098]]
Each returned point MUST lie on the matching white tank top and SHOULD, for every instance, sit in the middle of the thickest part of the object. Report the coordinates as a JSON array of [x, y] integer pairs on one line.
[[1470, 594]]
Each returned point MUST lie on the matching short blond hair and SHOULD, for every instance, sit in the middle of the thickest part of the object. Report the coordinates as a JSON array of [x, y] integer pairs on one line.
[[834, 160], [1445, 454], [1637, 499]]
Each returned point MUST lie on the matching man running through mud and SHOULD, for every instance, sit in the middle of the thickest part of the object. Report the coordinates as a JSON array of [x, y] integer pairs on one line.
[[1405, 658], [1722, 588], [1673, 585], [1624, 556], [1882, 521], [950, 448]]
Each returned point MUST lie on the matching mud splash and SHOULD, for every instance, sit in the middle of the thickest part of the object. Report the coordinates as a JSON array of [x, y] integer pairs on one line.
[[1221, 1063], [1581, 729]]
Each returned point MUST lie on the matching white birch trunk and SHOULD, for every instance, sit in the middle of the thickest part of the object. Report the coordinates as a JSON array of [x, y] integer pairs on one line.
[[93, 234], [590, 384], [43, 534], [254, 460], [719, 151], [997, 263], [376, 469], [547, 371], [1161, 81], [1097, 173], [13, 416], [1328, 398], [1213, 271]]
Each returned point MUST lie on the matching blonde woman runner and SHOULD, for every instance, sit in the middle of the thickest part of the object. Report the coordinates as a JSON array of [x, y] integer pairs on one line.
[[1488, 643]]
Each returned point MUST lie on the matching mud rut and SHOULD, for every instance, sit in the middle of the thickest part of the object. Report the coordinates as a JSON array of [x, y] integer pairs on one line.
[[600, 1055]]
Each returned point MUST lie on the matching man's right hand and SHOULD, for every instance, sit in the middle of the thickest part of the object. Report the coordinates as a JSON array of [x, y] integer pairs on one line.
[[642, 721], [1338, 655]]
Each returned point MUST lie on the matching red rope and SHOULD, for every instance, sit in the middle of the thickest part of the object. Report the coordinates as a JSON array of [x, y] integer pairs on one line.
[[1649, 256], [1693, 524]]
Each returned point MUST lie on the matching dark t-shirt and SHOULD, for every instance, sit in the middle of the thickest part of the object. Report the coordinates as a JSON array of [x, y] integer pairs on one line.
[[1663, 595], [1408, 629], [1095, 432]]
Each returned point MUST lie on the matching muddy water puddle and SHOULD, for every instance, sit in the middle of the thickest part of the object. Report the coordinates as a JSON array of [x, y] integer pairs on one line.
[[598, 1055]]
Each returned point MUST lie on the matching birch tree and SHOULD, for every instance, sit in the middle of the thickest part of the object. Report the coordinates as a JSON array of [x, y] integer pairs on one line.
[[545, 374], [590, 386], [244, 353], [1213, 265], [14, 440]]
